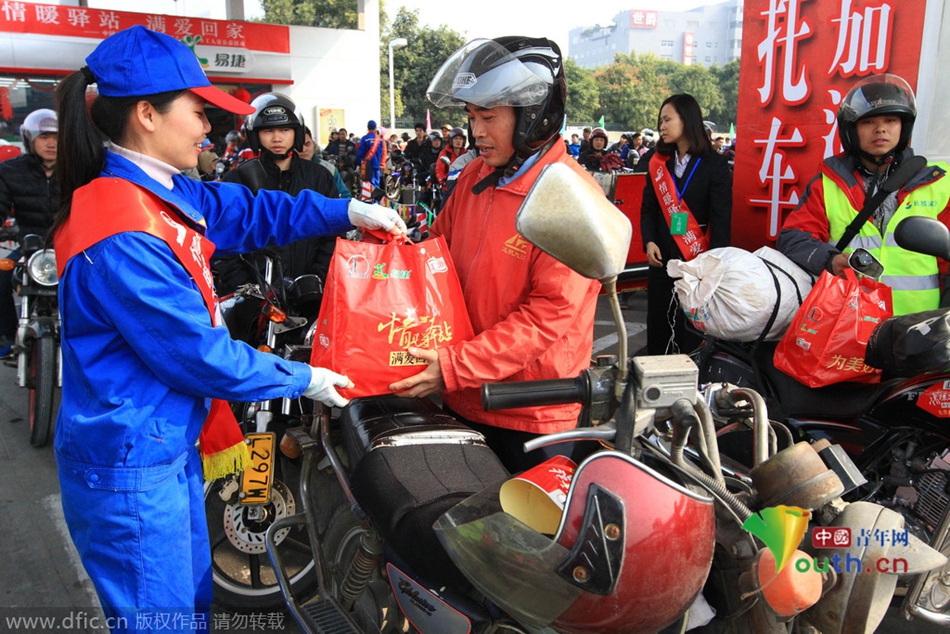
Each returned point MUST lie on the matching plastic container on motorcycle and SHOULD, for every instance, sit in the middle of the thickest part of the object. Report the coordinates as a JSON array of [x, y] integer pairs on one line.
[[631, 554]]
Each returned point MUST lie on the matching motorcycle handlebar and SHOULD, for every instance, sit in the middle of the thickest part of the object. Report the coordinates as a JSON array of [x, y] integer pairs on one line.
[[535, 393]]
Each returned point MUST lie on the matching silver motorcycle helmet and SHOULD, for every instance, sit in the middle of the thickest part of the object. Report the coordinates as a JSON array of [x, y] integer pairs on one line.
[[38, 122], [524, 73]]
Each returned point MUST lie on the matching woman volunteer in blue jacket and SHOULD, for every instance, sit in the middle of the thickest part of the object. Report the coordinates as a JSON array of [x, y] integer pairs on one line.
[[142, 357]]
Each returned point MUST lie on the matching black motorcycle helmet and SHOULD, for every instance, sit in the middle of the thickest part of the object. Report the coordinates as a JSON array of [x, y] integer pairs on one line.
[[522, 72], [874, 96], [273, 110]]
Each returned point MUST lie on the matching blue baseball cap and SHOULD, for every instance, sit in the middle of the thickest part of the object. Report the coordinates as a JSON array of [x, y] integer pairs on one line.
[[137, 62]]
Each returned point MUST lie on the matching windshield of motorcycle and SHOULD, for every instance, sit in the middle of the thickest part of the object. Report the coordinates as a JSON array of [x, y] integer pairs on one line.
[[512, 564]]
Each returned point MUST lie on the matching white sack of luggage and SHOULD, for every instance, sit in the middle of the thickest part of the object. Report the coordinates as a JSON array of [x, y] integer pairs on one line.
[[732, 294]]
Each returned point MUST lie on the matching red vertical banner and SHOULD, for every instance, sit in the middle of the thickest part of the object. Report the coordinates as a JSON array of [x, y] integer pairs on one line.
[[799, 59]]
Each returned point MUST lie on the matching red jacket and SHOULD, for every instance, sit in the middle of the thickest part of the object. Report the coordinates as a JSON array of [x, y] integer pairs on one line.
[[533, 316], [443, 163]]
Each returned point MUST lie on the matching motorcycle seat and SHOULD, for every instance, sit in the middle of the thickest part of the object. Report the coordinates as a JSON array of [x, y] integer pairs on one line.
[[840, 401], [380, 421], [411, 464]]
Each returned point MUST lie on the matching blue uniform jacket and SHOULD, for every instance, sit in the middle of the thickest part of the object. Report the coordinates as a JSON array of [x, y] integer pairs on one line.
[[365, 144], [140, 356]]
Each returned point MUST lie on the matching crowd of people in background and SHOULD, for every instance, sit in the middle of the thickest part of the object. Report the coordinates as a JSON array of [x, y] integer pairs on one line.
[[625, 153], [351, 159]]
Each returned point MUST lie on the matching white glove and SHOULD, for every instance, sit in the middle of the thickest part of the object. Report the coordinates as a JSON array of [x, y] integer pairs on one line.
[[323, 385], [374, 217]]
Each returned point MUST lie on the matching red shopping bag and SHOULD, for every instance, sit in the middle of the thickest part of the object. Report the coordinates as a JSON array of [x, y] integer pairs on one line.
[[380, 299], [828, 336]]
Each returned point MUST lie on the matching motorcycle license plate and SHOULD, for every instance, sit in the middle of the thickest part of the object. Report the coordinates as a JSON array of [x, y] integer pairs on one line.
[[258, 478]]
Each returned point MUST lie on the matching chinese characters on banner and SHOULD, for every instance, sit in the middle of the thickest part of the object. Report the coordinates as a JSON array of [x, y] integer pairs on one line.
[[68, 21], [799, 59]]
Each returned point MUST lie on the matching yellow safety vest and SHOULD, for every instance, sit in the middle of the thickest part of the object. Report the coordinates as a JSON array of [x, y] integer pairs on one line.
[[913, 277]]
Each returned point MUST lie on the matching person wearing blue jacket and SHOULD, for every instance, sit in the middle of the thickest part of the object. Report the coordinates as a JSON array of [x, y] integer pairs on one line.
[[145, 362], [370, 153]]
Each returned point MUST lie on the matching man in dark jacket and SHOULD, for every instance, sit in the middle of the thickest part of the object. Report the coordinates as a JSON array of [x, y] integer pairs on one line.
[[342, 145], [276, 130], [416, 146], [29, 191]]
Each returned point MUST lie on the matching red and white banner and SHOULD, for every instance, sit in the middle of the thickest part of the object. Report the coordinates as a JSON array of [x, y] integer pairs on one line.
[[65, 21], [799, 59]]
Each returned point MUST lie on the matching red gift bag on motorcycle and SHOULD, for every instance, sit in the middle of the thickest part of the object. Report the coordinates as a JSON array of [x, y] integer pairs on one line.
[[380, 299], [828, 336]]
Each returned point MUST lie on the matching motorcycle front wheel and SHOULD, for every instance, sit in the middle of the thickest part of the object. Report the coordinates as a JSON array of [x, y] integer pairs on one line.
[[42, 384], [244, 579], [392, 187]]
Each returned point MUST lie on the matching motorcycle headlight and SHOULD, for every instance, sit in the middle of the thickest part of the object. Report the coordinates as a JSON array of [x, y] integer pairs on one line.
[[42, 267]]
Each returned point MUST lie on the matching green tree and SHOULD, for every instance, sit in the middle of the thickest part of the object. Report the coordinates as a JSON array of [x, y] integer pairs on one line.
[[633, 87], [699, 82], [583, 94], [331, 14], [727, 81], [414, 66], [632, 90]]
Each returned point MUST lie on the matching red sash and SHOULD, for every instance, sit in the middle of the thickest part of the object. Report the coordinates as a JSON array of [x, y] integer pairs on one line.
[[109, 206], [364, 171], [694, 241]]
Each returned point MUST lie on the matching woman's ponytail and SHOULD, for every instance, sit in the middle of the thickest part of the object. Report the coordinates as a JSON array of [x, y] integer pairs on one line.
[[79, 154]]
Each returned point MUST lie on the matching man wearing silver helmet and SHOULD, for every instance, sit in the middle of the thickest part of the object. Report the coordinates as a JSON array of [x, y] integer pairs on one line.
[[28, 190], [533, 316]]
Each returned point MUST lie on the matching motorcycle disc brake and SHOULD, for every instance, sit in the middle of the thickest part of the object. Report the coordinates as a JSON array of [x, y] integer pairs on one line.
[[246, 534]]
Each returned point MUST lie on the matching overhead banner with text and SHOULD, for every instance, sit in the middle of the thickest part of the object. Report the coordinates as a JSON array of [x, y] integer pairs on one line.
[[799, 59], [222, 46]]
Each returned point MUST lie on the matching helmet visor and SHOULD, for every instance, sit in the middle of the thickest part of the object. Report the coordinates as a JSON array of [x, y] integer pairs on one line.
[[506, 560], [486, 74], [879, 95]]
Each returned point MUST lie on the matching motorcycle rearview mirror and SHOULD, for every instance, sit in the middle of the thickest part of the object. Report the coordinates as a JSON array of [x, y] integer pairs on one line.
[[570, 219], [924, 235], [864, 262]]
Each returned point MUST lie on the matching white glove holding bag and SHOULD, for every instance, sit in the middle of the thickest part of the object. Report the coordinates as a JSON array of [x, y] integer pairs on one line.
[[323, 384], [368, 216]]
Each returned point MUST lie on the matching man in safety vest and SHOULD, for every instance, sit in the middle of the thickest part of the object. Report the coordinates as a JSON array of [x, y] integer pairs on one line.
[[875, 123]]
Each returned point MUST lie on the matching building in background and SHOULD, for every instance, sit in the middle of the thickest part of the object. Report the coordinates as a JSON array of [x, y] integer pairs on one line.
[[710, 35], [42, 43]]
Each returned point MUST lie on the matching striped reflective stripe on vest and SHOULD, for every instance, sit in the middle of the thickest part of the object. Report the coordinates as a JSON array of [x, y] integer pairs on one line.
[[912, 282]]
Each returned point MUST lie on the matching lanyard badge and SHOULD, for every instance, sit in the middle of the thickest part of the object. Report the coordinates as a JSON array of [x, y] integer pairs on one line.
[[678, 221]]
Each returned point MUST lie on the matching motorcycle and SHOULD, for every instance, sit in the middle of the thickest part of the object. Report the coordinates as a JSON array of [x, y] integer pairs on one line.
[[346, 165], [38, 356], [651, 522], [400, 184], [277, 316], [894, 431]]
